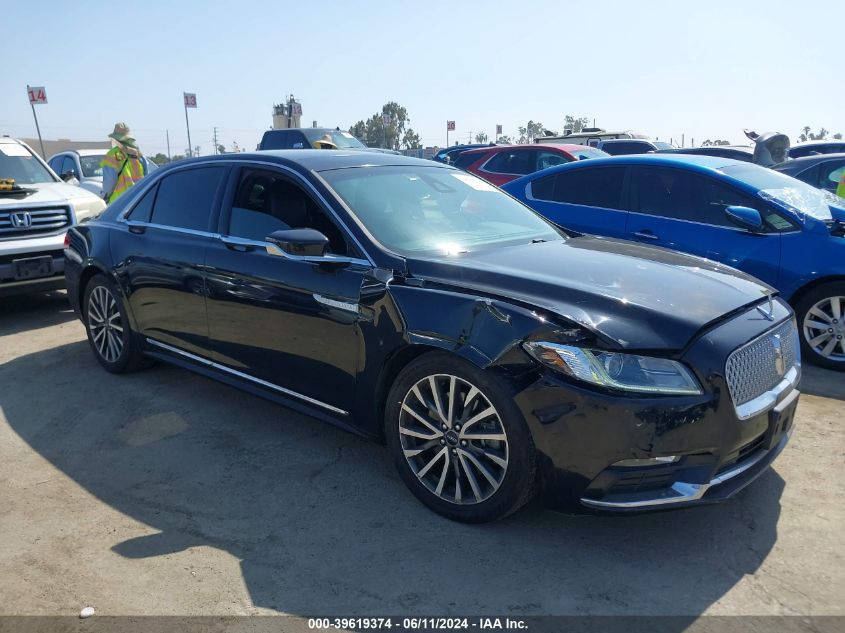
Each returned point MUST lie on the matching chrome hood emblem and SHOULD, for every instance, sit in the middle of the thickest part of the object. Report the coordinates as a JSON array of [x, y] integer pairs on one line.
[[770, 313], [780, 363]]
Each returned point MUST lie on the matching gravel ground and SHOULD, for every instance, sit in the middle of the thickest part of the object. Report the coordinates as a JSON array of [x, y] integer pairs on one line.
[[166, 493]]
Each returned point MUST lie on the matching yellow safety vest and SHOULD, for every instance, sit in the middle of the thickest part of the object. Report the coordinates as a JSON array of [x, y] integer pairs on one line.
[[129, 171], [840, 190]]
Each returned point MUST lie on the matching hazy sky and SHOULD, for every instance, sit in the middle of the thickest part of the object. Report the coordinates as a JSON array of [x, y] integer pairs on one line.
[[703, 69]]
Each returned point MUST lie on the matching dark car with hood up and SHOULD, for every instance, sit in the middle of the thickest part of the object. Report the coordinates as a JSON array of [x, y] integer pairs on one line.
[[413, 303]]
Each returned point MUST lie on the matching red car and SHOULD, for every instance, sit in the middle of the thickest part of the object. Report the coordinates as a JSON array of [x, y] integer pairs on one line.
[[499, 164]]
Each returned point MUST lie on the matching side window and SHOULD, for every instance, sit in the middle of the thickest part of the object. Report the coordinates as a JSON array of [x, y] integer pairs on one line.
[[186, 199], [831, 174], [549, 159], [143, 210], [297, 140], [265, 201], [668, 193], [56, 164], [591, 187], [715, 197], [515, 161], [543, 188], [465, 159], [274, 140]]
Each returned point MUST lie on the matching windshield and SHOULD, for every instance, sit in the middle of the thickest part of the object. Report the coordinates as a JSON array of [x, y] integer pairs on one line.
[[785, 191], [91, 165], [343, 140], [429, 210], [662, 145], [18, 163]]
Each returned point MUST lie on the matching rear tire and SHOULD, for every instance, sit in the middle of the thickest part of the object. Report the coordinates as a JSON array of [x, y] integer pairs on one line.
[[458, 439], [112, 340], [821, 323]]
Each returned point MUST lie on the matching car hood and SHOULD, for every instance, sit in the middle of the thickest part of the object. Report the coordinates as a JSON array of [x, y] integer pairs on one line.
[[638, 297], [46, 193]]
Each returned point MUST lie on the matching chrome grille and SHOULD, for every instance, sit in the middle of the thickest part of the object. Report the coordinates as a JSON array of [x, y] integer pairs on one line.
[[758, 366], [33, 221]]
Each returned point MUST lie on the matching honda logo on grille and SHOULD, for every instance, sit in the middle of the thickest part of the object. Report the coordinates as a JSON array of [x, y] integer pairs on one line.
[[22, 220], [780, 363]]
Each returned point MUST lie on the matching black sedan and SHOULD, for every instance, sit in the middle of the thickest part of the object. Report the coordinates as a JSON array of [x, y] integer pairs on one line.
[[413, 303], [823, 171]]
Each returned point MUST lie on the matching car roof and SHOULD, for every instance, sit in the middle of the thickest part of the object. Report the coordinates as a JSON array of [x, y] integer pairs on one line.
[[321, 159], [682, 150], [625, 140], [835, 141], [697, 162], [89, 152], [796, 164]]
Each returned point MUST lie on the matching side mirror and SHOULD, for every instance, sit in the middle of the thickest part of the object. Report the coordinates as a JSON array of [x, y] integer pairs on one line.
[[68, 175], [297, 242], [746, 217]]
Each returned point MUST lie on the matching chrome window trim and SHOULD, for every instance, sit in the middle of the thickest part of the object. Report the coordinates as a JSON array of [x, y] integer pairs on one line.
[[240, 374], [167, 227], [684, 492], [277, 252], [718, 226], [288, 171]]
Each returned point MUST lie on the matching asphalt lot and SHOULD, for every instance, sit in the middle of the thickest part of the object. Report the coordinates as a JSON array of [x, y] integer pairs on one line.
[[167, 493]]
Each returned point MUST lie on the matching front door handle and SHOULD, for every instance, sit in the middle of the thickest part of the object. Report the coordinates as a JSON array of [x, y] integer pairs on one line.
[[236, 244], [645, 234]]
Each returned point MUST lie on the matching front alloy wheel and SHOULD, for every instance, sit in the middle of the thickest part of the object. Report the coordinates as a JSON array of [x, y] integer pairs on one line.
[[105, 324], [453, 439], [458, 438]]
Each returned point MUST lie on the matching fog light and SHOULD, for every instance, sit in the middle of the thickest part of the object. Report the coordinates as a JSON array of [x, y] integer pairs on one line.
[[649, 461]]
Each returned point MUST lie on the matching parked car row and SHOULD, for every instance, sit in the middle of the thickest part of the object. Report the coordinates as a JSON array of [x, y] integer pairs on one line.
[[497, 354]]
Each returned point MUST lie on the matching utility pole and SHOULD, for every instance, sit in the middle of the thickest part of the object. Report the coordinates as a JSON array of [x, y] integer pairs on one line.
[[168, 144], [215, 140]]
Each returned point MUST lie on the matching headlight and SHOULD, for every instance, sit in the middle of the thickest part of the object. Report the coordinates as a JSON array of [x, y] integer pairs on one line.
[[87, 208], [626, 372]]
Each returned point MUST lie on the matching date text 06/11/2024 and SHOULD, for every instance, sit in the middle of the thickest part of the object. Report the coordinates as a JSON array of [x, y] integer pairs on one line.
[[416, 624]]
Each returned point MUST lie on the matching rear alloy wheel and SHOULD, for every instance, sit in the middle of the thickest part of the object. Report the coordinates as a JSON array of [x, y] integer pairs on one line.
[[459, 441], [109, 334], [821, 316]]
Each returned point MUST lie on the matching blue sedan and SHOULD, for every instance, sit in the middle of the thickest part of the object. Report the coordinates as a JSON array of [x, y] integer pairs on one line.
[[781, 230]]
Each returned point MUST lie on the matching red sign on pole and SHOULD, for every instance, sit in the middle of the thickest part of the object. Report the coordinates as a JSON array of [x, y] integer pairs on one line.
[[450, 126], [37, 94], [190, 100]]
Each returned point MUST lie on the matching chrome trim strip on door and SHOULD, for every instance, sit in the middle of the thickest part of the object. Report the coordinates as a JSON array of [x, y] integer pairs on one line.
[[240, 374]]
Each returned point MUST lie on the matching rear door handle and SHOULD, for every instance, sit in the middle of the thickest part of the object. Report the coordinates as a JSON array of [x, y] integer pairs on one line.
[[645, 234]]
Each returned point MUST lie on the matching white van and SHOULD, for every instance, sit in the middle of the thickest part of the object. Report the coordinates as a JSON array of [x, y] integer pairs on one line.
[[591, 136]]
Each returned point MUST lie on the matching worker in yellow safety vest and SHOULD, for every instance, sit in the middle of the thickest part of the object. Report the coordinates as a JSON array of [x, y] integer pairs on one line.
[[840, 190], [123, 165]]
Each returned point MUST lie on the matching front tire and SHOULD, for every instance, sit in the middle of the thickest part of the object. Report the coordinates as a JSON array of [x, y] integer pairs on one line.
[[821, 322], [458, 439], [109, 333]]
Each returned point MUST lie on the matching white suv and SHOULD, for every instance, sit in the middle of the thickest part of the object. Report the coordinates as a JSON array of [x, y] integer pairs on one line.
[[36, 209]]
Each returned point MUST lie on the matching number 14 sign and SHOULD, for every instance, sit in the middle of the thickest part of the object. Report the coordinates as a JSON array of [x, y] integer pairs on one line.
[[37, 94]]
